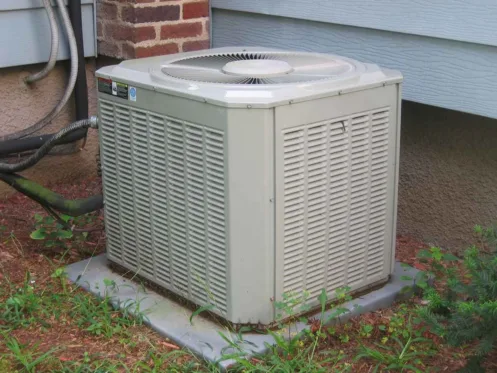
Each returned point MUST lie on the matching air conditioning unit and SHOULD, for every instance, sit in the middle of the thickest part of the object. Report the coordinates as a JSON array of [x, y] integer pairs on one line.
[[234, 176]]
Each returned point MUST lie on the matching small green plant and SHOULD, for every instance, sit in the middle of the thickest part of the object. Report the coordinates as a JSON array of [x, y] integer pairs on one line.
[[99, 317], [61, 275], [398, 326], [404, 355], [168, 362], [91, 364], [464, 308], [26, 359], [23, 305], [53, 233], [11, 237], [291, 304], [366, 330], [59, 232], [297, 351]]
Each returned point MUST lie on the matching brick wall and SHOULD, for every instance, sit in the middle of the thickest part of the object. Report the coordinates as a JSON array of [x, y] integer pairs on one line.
[[142, 28]]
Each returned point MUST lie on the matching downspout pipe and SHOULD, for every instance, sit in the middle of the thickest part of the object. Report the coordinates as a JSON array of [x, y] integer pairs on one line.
[[80, 88]]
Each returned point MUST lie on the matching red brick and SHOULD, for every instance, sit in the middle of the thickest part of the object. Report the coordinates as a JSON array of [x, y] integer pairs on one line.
[[144, 1], [195, 45], [107, 11], [143, 33], [115, 31], [123, 32], [196, 10], [150, 14], [156, 50], [208, 27], [181, 30], [108, 48]]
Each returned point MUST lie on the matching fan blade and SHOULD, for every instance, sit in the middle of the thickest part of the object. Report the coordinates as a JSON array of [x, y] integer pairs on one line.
[[213, 62]]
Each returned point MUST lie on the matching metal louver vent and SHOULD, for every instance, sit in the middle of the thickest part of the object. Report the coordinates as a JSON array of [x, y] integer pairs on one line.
[[335, 202], [164, 201], [258, 68]]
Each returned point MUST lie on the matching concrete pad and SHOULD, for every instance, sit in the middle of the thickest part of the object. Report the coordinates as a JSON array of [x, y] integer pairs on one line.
[[202, 337]]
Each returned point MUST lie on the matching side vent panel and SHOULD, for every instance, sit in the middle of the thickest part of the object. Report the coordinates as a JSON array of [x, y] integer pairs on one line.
[[335, 203], [164, 182]]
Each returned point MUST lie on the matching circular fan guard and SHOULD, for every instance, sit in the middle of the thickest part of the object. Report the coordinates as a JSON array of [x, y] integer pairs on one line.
[[258, 68]]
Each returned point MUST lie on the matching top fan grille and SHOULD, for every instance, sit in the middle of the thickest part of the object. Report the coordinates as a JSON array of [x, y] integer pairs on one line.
[[217, 68]]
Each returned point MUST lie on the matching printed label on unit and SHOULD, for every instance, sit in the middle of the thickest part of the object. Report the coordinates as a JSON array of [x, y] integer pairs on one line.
[[105, 85], [113, 88], [132, 93], [121, 90]]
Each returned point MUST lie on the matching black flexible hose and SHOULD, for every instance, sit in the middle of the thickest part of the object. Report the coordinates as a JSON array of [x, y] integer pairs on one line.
[[33, 143], [47, 146]]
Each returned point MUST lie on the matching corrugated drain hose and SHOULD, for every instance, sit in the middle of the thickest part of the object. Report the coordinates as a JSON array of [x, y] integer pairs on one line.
[[70, 86], [47, 146], [54, 50]]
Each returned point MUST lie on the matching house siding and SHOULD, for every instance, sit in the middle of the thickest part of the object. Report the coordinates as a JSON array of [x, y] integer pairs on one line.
[[447, 19], [26, 32], [448, 73]]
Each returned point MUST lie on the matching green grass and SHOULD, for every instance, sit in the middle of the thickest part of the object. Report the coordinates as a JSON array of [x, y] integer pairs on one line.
[[23, 304], [402, 357], [25, 359]]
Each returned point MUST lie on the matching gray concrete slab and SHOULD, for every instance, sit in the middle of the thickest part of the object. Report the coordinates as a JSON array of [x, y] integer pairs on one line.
[[202, 336]]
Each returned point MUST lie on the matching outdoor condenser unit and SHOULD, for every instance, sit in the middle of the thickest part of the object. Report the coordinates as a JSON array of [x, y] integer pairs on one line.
[[233, 176]]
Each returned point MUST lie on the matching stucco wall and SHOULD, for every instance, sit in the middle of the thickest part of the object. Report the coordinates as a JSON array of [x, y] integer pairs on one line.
[[448, 174], [21, 105]]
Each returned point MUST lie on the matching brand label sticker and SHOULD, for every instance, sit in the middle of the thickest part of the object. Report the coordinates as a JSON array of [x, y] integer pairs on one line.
[[132, 93]]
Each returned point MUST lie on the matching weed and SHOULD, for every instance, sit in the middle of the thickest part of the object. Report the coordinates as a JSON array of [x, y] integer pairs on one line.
[[11, 237], [404, 355], [61, 275], [58, 233], [366, 330], [158, 363], [25, 358], [99, 317], [464, 310], [22, 306], [91, 365], [296, 352], [292, 304], [53, 233]]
